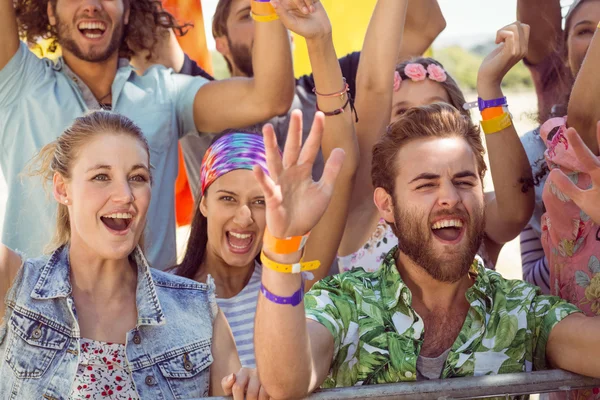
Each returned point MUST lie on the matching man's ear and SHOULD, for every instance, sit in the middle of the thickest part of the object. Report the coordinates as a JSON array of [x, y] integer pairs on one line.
[[222, 45], [385, 205]]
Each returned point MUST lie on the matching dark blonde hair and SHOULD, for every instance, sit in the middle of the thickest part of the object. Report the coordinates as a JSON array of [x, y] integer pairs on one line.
[[435, 120], [60, 155], [457, 99]]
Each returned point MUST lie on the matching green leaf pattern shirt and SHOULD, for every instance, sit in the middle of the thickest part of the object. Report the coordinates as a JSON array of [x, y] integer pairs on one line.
[[378, 336]]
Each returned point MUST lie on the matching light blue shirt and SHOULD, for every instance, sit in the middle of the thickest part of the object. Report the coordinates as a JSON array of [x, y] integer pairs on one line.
[[39, 99]]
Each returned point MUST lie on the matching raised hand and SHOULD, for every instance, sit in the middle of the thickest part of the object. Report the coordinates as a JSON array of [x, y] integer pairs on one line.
[[294, 202], [304, 17], [244, 385], [587, 199], [512, 41]]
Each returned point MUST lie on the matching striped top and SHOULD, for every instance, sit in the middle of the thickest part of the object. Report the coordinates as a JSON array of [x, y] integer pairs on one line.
[[239, 311], [535, 265]]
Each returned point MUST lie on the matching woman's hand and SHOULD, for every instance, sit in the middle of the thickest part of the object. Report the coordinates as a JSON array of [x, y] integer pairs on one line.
[[244, 385], [587, 199], [294, 202], [303, 17], [512, 41]]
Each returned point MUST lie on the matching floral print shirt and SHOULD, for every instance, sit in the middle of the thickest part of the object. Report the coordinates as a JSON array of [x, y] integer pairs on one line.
[[571, 240], [103, 373], [378, 335], [370, 256]]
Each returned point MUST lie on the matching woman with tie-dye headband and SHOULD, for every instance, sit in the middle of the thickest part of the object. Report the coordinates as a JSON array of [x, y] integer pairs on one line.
[[229, 222]]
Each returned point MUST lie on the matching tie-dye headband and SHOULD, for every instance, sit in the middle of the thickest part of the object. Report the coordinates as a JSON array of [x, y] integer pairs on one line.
[[229, 153]]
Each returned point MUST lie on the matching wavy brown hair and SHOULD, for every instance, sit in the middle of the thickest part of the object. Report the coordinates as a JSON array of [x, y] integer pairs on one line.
[[439, 120], [148, 20]]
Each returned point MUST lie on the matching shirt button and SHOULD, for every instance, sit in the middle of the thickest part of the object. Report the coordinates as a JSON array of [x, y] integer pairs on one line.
[[137, 339], [36, 334], [408, 374], [150, 381]]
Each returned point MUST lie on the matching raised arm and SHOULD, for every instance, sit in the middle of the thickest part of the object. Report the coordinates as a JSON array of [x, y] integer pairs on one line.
[[509, 210], [545, 19], [338, 131], [8, 32], [10, 262], [283, 340], [424, 22], [374, 89], [167, 52], [242, 102], [584, 104]]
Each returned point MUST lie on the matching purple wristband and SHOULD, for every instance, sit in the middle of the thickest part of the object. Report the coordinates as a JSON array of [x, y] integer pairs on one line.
[[293, 300], [483, 104]]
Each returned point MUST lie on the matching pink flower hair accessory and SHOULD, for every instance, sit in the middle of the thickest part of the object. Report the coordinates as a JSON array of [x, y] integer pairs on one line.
[[397, 81], [416, 72], [436, 73]]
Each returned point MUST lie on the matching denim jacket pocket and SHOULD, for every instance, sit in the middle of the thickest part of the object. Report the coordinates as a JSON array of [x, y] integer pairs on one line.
[[187, 372], [33, 346]]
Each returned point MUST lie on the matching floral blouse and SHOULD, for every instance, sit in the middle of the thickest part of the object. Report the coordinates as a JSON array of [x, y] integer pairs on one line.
[[571, 240], [370, 256], [103, 373]]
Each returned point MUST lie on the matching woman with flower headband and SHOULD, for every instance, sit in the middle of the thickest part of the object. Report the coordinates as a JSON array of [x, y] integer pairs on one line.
[[228, 228], [385, 92]]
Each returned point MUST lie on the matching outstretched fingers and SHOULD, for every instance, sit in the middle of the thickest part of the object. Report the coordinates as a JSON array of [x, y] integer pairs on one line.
[[311, 147], [272, 154], [293, 142], [585, 156]]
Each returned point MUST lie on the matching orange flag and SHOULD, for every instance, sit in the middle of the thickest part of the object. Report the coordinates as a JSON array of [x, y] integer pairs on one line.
[[194, 45]]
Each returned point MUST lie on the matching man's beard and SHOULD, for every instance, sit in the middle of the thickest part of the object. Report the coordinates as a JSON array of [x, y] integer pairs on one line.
[[242, 58], [416, 242], [67, 42]]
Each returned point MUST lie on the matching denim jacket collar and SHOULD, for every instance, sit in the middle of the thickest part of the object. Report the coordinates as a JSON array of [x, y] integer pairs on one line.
[[54, 282]]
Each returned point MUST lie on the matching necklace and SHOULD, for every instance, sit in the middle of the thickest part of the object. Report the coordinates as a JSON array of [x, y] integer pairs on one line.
[[103, 105], [105, 96]]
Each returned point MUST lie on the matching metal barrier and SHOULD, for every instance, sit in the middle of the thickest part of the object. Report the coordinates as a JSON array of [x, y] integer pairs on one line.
[[503, 385]]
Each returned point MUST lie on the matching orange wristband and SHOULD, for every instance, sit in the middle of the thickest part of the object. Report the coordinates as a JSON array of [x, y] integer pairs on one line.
[[283, 246], [492, 112], [262, 8]]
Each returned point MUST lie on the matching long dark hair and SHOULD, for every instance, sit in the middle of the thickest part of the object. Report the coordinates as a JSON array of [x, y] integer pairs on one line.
[[197, 242]]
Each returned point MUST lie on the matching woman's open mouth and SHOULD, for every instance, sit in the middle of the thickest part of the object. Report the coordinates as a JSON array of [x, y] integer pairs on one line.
[[240, 243], [118, 223]]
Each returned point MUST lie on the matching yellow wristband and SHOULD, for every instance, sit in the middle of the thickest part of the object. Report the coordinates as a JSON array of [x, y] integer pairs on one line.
[[262, 7], [289, 268], [496, 124], [264, 18]]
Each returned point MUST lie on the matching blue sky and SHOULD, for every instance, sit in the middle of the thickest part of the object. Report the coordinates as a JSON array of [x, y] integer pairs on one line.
[[467, 20]]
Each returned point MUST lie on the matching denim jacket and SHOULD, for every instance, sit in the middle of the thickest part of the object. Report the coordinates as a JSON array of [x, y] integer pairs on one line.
[[168, 352]]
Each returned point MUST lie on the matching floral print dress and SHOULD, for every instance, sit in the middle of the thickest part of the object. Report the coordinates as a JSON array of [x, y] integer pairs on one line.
[[103, 373], [571, 240], [371, 255]]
